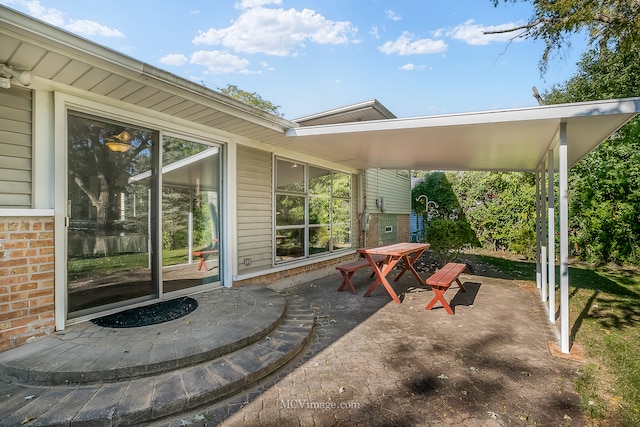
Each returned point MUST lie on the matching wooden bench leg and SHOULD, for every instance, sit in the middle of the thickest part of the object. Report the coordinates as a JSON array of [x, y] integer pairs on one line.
[[438, 295], [460, 285], [202, 263], [346, 281]]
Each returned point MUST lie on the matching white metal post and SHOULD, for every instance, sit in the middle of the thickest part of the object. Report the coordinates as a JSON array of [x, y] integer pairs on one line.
[[543, 238], [538, 230], [551, 238], [190, 233], [564, 239]]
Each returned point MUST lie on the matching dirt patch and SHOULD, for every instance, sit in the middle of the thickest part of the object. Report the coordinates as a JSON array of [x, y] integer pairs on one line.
[[428, 263]]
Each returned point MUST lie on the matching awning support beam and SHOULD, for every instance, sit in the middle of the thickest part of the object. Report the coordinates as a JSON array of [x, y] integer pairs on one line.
[[564, 239], [551, 238], [539, 233]]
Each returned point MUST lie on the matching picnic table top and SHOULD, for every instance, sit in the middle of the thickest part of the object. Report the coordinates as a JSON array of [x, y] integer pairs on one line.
[[395, 249]]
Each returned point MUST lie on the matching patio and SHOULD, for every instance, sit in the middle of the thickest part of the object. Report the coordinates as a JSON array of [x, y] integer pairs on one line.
[[375, 362], [367, 361]]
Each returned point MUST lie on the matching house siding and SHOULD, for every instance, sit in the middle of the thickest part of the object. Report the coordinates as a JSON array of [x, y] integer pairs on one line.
[[26, 279], [254, 199], [391, 224], [16, 107], [394, 189]]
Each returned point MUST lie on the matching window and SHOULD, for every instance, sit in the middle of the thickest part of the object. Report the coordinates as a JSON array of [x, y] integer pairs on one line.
[[312, 210], [404, 173]]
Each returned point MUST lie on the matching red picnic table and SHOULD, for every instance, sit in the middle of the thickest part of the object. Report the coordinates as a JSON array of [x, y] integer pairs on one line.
[[408, 252]]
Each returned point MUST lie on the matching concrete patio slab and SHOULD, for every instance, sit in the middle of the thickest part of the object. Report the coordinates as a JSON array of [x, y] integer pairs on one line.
[[373, 362]]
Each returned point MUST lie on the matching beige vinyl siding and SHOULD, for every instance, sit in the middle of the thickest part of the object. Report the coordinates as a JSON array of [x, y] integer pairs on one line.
[[395, 190], [15, 147], [254, 209]]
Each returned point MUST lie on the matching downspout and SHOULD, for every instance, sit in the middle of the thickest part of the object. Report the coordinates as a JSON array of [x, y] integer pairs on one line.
[[363, 217]]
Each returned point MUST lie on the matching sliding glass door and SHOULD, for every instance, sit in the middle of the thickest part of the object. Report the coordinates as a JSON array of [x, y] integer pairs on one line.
[[143, 215]]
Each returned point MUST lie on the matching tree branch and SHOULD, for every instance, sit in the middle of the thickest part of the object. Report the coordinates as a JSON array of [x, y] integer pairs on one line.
[[527, 26]]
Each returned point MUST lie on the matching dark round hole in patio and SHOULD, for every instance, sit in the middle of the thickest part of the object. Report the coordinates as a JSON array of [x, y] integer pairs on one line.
[[153, 314]]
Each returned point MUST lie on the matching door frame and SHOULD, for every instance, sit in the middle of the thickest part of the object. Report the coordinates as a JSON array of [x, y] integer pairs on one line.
[[121, 112]]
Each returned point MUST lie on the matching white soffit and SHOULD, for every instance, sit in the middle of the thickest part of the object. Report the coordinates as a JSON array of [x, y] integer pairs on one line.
[[506, 140]]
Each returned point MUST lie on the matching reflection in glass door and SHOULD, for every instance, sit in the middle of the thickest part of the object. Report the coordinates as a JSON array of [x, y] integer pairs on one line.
[[135, 234], [190, 214], [110, 215]]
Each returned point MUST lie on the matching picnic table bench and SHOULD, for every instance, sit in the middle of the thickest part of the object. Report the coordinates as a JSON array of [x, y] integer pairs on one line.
[[349, 269], [441, 280], [204, 254]]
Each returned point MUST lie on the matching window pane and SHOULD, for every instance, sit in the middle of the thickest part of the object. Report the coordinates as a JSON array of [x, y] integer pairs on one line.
[[319, 210], [108, 208], [319, 181], [341, 210], [190, 214], [341, 224], [319, 238], [289, 244], [341, 236], [289, 176], [289, 210], [341, 185]]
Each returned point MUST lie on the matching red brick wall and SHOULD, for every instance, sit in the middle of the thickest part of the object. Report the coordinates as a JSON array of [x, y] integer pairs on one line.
[[373, 235], [403, 228], [26, 280], [270, 278]]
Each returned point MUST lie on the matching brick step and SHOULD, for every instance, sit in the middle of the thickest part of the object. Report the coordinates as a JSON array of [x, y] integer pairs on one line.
[[90, 354], [142, 400]]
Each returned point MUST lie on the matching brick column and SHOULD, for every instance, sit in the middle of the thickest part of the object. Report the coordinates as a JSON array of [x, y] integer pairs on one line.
[[26, 280]]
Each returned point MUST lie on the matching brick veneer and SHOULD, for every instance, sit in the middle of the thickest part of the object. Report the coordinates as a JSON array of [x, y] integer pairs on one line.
[[26, 279], [403, 228], [270, 278]]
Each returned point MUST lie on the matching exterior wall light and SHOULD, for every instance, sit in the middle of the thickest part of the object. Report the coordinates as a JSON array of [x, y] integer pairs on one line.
[[7, 73]]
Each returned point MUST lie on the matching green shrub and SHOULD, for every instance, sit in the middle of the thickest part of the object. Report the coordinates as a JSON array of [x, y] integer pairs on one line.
[[448, 237]]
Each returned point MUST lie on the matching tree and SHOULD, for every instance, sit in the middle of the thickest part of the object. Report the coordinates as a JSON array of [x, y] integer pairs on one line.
[[436, 187], [100, 173], [251, 98], [500, 207], [611, 24], [605, 185], [447, 230]]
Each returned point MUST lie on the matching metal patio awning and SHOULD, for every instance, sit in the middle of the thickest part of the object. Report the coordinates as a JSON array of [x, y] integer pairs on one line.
[[503, 140]]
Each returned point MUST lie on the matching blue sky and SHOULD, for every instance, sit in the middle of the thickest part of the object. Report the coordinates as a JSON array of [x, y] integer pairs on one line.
[[417, 57]]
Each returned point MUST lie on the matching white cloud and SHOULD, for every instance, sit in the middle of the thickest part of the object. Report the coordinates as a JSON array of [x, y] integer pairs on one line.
[[374, 32], [35, 9], [406, 45], [277, 31], [474, 34], [220, 61], [174, 59], [55, 17], [248, 4], [412, 67], [390, 14], [92, 28], [265, 65]]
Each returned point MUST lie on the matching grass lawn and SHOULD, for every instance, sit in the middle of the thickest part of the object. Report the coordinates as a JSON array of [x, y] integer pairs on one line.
[[604, 304], [100, 266]]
